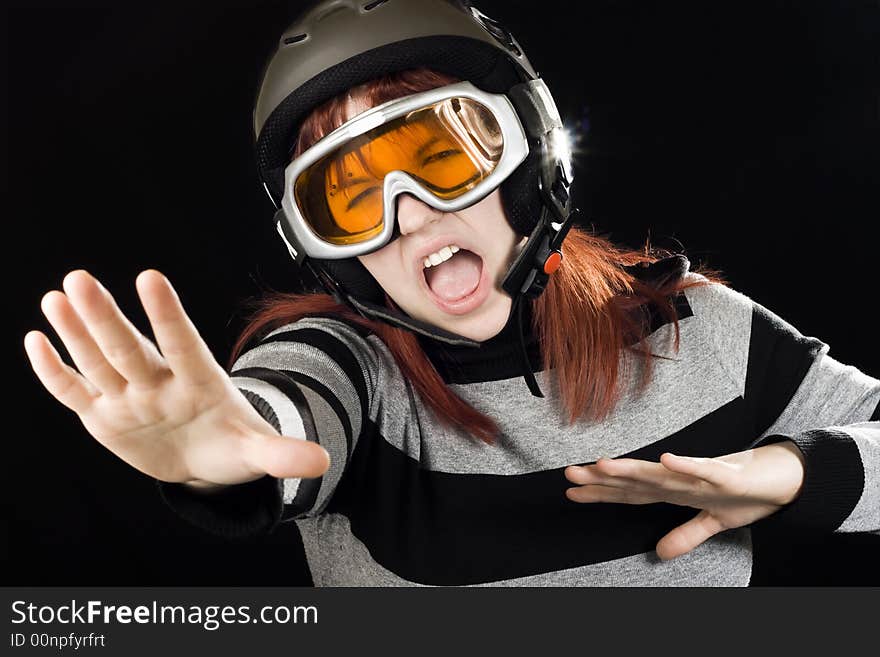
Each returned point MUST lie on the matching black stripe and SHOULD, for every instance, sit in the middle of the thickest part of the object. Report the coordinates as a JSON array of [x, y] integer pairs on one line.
[[307, 493], [493, 360], [263, 408], [489, 362], [336, 350], [452, 529], [779, 359], [876, 414], [332, 400], [240, 511]]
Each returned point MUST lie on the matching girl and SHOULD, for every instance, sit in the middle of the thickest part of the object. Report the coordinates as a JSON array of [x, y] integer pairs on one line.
[[484, 394]]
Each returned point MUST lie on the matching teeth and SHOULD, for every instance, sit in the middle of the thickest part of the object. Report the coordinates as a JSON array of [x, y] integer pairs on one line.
[[440, 256]]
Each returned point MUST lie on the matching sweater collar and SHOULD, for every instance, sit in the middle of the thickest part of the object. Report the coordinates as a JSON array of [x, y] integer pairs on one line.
[[496, 358]]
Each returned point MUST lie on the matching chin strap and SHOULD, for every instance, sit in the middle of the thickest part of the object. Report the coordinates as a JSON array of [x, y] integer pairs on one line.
[[372, 310], [528, 375], [391, 316]]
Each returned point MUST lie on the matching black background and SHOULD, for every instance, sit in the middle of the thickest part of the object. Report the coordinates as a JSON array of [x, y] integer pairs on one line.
[[745, 133]]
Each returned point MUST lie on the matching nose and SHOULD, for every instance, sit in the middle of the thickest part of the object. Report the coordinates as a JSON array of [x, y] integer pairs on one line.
[[413, 214]]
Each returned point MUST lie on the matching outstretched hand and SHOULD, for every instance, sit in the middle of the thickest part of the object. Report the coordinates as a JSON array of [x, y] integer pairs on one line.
[[168, 409], [731, 491]]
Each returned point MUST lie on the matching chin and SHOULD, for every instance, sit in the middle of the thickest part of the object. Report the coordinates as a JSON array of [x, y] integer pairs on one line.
[[484, 324]]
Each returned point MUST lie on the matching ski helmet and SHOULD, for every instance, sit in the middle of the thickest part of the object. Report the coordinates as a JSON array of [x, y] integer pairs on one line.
[[339, 44]]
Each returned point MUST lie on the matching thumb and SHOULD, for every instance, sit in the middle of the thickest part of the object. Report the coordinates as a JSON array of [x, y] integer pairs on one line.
[[287, 456], [686, 537]]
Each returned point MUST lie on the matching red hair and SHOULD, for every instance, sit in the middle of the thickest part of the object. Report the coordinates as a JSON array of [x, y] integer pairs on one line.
[[589, 312]]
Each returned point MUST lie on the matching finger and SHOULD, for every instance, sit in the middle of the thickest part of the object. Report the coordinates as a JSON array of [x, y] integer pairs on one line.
[[599, 493], [62, 381], [647, 477], [130, 353], [285, 456], [79, 343], [686, 537], [177, 337], [589, 474], [710, 470], [648, 472]]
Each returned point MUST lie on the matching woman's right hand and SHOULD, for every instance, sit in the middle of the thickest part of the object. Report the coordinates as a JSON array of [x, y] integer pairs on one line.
[[175, 415]]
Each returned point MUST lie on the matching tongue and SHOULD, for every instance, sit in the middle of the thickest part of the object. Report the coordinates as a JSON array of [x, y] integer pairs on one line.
[[457, 277]]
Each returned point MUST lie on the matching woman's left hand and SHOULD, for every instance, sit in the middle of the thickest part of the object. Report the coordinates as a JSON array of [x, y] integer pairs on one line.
[[732, 490]]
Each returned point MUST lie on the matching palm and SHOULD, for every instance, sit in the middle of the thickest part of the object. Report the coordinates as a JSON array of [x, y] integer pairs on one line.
[[154, 429], [739, 513]]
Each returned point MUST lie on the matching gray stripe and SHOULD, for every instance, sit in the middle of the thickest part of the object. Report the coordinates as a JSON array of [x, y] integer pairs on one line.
[[831, 393], [361, 349], [332, 437], [726, 319], [398, 410], [337, 558], [535, 435]]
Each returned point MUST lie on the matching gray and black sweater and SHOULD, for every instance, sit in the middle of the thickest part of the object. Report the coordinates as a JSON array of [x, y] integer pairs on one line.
[[409, 501]]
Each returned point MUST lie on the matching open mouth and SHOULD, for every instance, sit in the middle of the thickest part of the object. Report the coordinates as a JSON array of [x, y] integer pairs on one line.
[[457, 284]]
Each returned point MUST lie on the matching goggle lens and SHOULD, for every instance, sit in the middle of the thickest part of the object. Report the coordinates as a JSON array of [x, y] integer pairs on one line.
[[449, 147]]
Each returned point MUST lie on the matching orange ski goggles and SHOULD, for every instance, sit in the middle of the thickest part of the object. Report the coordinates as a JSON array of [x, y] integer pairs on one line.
[[449, 147]]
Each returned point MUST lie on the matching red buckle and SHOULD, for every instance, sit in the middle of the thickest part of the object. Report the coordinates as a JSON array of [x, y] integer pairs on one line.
[[551, 264]]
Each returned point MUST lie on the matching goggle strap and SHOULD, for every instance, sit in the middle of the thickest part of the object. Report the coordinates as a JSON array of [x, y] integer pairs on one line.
[[562, 231], [541, 118], [535, 107], [374, 311]]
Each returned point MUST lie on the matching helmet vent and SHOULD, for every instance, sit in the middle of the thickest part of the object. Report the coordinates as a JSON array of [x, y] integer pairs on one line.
[[294, 39], [372, 5], [493, 27]]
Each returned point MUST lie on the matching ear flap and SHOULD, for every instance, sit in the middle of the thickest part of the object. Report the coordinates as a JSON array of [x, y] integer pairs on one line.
[[521, 196], [355, 278]]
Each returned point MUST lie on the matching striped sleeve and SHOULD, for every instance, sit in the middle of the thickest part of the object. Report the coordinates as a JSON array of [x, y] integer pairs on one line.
[[832, 416], [311, 380], [794, 390]]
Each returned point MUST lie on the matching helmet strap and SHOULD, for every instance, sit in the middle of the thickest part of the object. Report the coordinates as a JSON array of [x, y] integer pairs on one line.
[[529, 273], [374, 311]]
